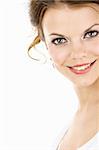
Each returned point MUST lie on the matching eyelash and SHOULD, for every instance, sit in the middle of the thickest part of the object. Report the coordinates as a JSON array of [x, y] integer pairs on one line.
[[85, 36], [57, 40], [90, 34]]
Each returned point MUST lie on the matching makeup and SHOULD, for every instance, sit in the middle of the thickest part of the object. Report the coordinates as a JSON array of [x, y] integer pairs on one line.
[[81, 69]]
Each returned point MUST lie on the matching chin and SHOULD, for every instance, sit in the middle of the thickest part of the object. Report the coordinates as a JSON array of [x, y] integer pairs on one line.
[[86, 83], [81, 81]]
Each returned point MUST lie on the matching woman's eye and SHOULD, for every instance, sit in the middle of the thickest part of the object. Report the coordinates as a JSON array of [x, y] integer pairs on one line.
[[91, 34], [59, 41]]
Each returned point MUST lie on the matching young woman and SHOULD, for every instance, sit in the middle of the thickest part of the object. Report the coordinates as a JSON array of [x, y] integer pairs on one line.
[[70, 31]]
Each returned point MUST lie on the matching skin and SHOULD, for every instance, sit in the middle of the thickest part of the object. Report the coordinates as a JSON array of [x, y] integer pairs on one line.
[[76, 48]]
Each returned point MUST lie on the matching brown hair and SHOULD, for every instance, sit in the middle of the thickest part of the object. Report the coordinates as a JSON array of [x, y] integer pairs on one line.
[[37, 9]]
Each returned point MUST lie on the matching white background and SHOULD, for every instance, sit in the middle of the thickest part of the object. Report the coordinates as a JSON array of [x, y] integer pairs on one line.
[[36, 101]]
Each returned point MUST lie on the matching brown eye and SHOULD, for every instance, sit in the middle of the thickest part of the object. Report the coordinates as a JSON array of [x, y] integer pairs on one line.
[[59, 41], [91, 34]]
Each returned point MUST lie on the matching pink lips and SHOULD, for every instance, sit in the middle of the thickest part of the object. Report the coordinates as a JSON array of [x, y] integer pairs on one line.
[[81, 68]]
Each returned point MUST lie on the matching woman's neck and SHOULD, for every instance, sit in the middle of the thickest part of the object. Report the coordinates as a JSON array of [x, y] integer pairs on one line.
[[88, 96]]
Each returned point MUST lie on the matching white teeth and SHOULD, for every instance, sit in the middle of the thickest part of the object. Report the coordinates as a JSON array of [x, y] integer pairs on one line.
[[81, 67]]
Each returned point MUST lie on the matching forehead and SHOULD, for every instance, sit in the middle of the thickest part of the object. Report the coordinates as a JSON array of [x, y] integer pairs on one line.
[[66, 18]]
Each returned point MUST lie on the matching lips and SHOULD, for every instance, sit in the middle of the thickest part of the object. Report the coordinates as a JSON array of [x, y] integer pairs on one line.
[[81, 68]]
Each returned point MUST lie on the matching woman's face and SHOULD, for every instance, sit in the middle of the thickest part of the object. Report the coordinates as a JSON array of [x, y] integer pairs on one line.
[[72, 39]]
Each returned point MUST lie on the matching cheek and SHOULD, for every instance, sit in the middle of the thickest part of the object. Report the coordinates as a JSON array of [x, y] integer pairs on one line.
[[59, 56], [93, 48]]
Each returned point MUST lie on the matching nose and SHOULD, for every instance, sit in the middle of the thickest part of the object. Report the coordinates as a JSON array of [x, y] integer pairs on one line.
[[78, 50]]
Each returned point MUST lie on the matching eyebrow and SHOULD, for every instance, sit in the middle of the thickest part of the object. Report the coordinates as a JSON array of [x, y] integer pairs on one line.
[[91, 27], [84, 31]]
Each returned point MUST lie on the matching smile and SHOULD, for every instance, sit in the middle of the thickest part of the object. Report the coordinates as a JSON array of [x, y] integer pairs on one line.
[[81, 68]]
